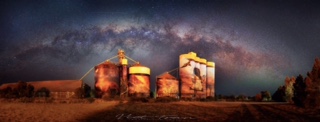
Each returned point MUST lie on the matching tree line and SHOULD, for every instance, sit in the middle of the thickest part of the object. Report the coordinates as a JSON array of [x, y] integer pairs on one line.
[[300, 90], [25, 90]]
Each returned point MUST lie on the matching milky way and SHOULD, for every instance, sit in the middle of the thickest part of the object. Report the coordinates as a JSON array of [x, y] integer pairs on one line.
[[254, 47]]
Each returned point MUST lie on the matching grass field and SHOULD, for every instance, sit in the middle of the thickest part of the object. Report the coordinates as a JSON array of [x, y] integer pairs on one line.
[[137, 111]]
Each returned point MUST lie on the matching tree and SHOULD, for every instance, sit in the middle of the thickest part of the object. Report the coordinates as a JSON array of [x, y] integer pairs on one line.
[[43, 92], [280, 94], [299, 94], [307, 91], [79, 93], [30, 90], [265, 95], [2, 94], [93, 93], [242, 97], [289, 88], [87, 90], [22, 89], [7, 92], [258, 97], [312, 82], [152, 94]]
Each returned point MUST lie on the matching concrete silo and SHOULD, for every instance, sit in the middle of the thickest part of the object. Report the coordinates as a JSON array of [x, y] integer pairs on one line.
[[203, 74], [197, 80], [210, 79], [186, 73]]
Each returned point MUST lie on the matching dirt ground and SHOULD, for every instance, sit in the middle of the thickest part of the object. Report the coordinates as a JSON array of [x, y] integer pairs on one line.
[[137, 111]]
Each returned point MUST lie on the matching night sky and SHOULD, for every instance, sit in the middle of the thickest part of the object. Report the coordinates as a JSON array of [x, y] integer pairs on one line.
[[255, 45]]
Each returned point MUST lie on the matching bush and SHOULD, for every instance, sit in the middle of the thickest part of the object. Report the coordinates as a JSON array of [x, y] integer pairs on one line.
[[43, 92]]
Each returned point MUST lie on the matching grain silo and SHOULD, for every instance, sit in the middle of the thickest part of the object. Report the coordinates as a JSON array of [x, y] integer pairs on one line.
[[210, 79], [186, 72], [203, 74], [139, 81], [197, 80], [167, 86], [120, 79], [107, 79]]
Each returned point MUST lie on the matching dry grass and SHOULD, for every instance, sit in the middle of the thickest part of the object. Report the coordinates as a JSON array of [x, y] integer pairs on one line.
[[154, 111], [43, 112]]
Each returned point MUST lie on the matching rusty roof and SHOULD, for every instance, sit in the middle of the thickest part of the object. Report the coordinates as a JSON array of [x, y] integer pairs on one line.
[[166, 76], [12, 85]]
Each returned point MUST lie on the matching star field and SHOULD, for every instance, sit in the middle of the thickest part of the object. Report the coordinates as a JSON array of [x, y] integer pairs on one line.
[[254, 44]]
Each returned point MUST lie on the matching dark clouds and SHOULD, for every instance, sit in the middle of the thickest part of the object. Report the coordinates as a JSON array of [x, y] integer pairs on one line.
[[63, 40]]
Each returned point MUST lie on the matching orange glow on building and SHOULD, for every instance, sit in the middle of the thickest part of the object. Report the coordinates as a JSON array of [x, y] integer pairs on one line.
[[167, 85], [107, 79], [139, 84]]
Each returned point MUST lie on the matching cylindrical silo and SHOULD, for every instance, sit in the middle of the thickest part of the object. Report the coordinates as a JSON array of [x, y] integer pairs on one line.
[[123, 78], [139, 81], [210, 79], [203, 74], [186, 72], [167, 86], [107, 79], [197, 79]]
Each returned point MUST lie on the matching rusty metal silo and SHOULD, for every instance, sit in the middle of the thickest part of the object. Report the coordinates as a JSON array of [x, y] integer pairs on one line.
[[167, 86], [107, 79], [210, 79], [139, 81]]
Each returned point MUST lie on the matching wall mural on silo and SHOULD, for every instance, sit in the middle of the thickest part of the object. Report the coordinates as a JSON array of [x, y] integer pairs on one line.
[[167, 86], [210, 79], [203, 76], [139, 85], [107, 79], [191, 80]]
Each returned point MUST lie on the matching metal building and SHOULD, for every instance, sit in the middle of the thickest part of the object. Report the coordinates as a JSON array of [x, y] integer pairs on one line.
[[167, 86], [107, 79]]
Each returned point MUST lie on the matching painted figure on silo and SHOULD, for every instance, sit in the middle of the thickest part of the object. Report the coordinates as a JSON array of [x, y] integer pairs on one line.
[[191, 80], [197, 82], [107, 79]]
